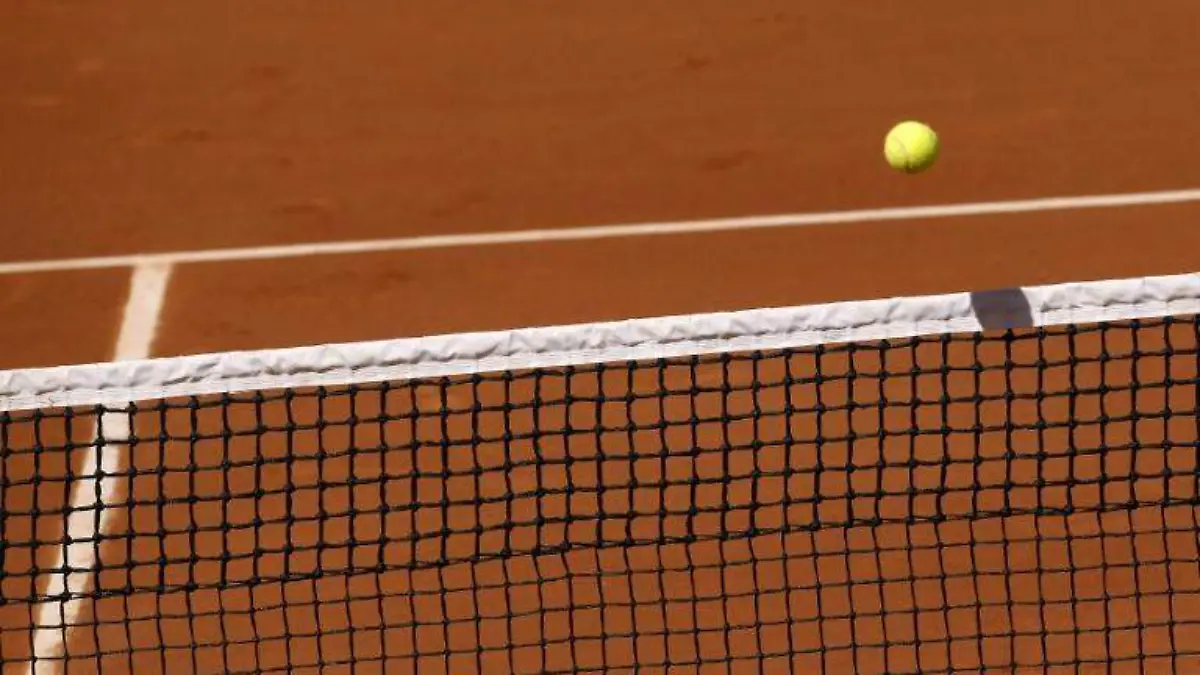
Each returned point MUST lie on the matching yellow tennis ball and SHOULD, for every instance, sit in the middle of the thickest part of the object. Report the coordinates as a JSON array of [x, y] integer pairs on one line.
[[911, 147]]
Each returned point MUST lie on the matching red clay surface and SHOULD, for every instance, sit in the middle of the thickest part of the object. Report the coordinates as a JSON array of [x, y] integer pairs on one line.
[[52, 319], [137, 126], [284, 303]]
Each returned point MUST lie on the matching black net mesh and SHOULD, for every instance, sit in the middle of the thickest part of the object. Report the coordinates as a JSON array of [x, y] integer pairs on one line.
[[965, 503]]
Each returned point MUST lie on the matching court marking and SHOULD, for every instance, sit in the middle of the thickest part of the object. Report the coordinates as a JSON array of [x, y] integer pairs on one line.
[[97, 486], [796, 220]]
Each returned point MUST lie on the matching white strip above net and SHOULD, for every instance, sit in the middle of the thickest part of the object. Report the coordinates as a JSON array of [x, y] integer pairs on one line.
[[119, 383]]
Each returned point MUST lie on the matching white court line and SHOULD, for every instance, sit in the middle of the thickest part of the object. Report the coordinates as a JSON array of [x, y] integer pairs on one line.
[[97, 485], [147, 290], [609, 231]]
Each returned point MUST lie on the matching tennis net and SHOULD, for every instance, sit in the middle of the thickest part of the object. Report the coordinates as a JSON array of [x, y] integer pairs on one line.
[[988, 482]]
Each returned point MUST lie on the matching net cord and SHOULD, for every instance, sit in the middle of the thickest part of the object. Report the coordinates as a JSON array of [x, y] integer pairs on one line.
[[118, 384]]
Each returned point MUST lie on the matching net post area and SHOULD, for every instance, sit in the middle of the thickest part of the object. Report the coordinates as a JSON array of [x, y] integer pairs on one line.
[[974, 482]]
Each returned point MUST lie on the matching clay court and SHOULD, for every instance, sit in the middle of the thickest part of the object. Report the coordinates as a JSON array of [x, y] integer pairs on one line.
[[132, 128]]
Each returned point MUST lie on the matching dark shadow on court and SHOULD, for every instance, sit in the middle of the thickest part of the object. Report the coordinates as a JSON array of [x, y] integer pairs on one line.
[[1002, 309]]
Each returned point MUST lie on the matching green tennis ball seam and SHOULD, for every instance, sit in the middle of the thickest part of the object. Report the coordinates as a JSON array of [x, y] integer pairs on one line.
[[906, 165]]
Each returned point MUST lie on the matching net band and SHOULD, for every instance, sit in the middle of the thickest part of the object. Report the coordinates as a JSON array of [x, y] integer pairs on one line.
[[632, 340]]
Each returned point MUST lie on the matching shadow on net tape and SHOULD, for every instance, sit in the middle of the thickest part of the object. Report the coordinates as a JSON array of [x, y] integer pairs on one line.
[[1002, 309]]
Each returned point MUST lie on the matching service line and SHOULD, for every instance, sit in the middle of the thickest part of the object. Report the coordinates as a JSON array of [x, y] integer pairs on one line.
[[795, 220]]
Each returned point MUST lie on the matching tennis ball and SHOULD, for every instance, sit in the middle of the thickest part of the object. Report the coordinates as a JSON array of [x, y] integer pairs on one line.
[[911, 147]]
